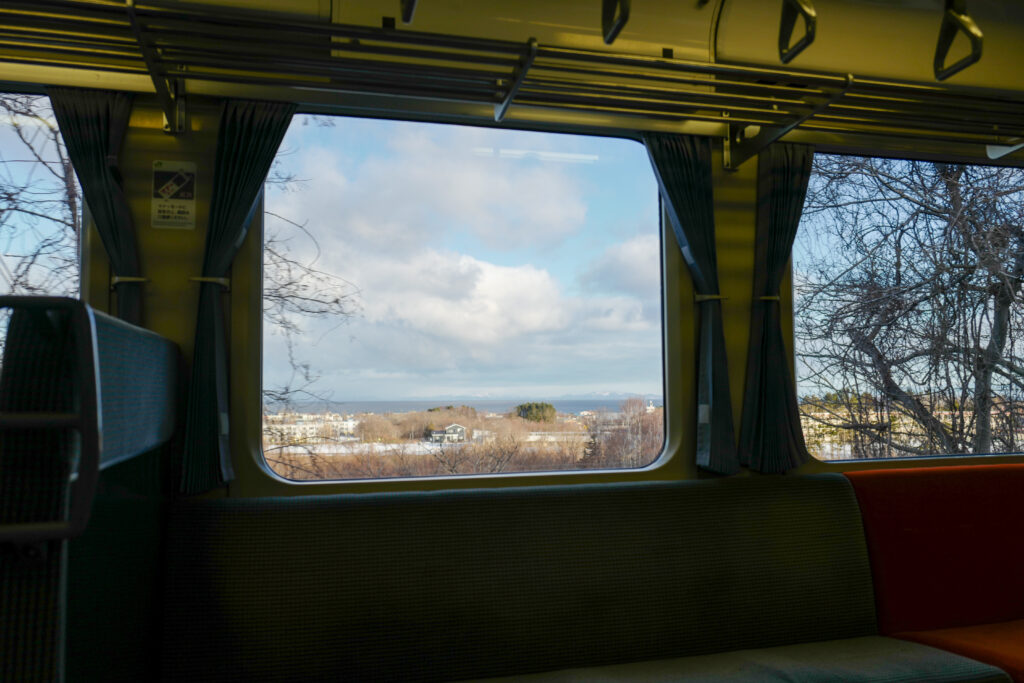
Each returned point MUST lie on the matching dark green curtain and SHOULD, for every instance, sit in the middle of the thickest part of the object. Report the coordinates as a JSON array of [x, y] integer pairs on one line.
[[93, 124], [771, 439], [682, 165], [247, 141]]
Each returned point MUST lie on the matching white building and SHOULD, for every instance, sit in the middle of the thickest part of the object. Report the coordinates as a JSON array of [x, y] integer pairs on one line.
[[284, 428]]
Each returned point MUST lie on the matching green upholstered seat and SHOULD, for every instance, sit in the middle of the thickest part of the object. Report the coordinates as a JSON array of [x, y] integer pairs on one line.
[[464, 584], [872, 659]]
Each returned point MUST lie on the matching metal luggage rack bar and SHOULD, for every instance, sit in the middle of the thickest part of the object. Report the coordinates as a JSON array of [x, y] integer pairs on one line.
[[181, 46]]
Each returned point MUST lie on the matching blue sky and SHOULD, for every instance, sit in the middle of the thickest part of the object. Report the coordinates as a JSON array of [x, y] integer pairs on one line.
[[489, 263]]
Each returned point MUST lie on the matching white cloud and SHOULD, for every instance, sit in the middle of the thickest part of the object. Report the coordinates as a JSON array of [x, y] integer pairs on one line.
[[443, 318], [614, 314], [631, 267], [459, 298], [415, 195]]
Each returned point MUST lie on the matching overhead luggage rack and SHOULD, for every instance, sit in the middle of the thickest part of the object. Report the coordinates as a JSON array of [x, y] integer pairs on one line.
[[192, 48]]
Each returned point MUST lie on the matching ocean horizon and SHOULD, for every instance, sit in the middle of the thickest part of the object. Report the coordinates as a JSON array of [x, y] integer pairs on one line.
[[569, 406]]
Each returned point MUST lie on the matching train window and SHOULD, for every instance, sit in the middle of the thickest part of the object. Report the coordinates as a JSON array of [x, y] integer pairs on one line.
[[443, 300], [40, 202], [909, 310]]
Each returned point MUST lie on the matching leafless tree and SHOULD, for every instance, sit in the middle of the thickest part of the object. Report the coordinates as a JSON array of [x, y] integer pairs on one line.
[[497, 455], [304, 464], [908, 279], [296, 291], [40, 201], [633, 437], [375, 428]]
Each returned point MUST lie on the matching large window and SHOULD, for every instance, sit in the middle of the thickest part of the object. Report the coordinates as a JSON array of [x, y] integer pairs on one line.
[[909, 309], [446, 300]]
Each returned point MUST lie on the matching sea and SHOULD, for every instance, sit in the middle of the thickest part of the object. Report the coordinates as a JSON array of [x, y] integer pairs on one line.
[[570, 406]]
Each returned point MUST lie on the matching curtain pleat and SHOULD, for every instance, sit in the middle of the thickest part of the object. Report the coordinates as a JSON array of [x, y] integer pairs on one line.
[[248, 138], [682, 165], [771, 438], [93, 124]]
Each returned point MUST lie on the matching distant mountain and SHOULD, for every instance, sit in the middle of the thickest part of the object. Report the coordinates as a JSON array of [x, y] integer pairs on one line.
[[609, 396], [581, 401]]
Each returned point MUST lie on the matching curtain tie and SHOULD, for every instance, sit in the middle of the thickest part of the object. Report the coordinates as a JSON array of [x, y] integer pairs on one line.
[[702, 298], [222, 281], [126, 279]]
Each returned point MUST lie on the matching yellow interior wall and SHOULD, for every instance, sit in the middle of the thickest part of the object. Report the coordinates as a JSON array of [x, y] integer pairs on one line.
[[735, 218], [168, 258]]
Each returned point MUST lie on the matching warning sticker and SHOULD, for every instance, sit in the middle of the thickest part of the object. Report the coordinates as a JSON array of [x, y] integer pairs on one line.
[[174, 195]]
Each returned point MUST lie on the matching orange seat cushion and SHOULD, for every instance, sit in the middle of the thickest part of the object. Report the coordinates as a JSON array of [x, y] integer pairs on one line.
[[946, 544], [999, 644]]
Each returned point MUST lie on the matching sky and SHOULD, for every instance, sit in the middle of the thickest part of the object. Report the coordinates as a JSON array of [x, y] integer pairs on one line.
[[21, 235], [484, 263], [487, 263]]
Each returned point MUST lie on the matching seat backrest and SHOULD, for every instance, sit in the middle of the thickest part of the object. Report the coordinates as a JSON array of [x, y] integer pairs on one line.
[[459, 584], [79, 391], [37, 374], [946, 544]]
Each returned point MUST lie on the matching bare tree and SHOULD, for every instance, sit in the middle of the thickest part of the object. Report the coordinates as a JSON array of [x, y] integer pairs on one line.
[[495, 456], [375, 428], [908, 279], [633, 437], [40, 201], [296, 291]]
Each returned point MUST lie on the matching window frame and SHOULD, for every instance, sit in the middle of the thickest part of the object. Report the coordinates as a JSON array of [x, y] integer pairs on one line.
[[254, 475]]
